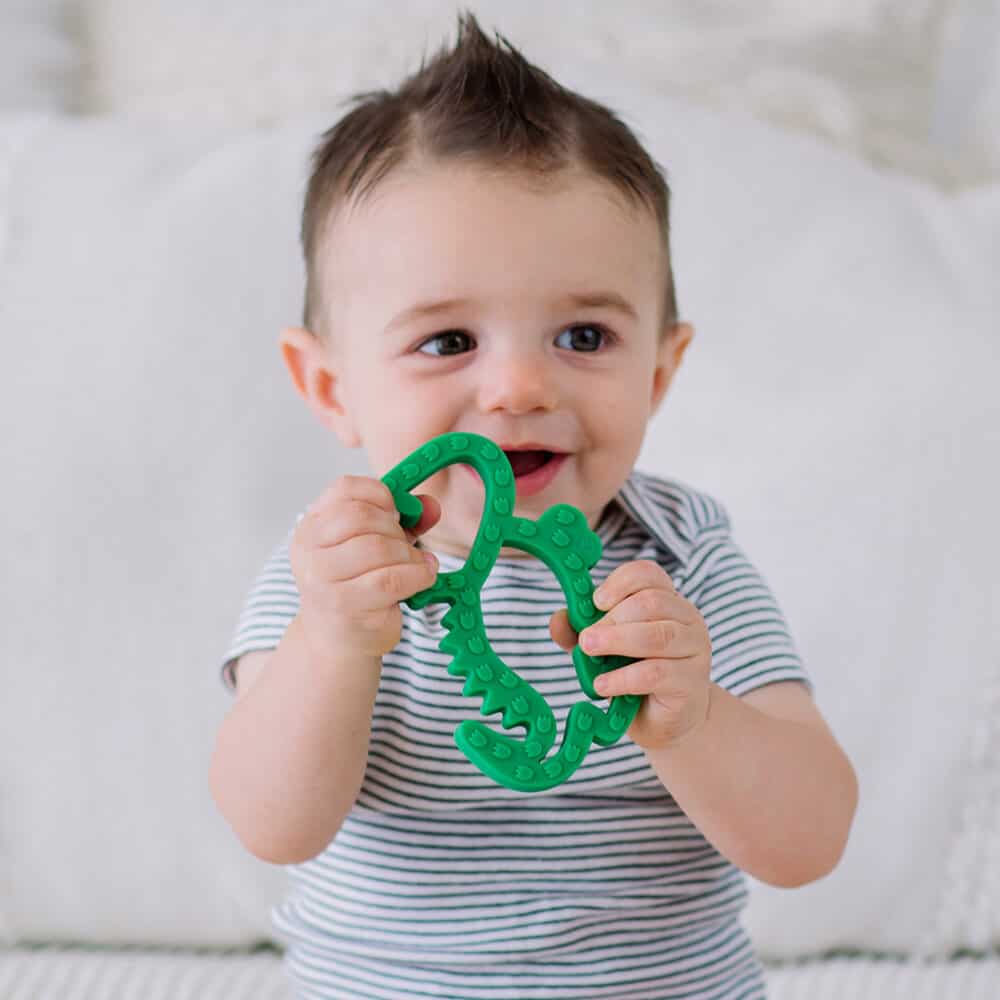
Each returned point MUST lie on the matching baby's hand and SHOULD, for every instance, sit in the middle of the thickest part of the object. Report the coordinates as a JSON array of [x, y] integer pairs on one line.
[[647, 619], [354, 563]]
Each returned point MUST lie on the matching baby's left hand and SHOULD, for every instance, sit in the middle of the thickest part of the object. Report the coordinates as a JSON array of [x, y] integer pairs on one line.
[[647, 619]]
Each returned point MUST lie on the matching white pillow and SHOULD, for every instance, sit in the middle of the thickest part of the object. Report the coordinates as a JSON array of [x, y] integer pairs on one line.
[[861, 73], [159, 455], [39, 55], [842, 400], [966, 101], [839, 399]]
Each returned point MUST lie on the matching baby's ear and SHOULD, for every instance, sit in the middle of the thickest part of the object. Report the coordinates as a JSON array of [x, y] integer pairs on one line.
[[669, 354], [314, 375]]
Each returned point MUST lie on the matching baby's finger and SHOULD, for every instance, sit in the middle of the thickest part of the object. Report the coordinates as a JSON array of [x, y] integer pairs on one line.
[[562, 632], [365, 488], [629, 578], [335, 524], [641, 677], [388, 585], [363, 553], [429, 515], [652, 604], [640, 640]]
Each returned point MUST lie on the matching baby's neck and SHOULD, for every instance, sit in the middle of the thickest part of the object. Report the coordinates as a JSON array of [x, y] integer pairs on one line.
[[454, 552], [449, 547]]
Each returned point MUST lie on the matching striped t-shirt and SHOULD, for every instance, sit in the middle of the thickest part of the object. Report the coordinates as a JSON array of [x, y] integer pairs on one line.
[[441, 883]]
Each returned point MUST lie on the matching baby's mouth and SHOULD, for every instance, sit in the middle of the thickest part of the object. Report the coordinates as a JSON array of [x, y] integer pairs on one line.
[[530, 460]]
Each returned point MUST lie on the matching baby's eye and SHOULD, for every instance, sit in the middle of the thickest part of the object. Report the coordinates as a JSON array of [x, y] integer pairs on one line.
[[582, 338], [448, 342]]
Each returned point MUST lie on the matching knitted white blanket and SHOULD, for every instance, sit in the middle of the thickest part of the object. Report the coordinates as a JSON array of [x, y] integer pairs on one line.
[[60, 974]]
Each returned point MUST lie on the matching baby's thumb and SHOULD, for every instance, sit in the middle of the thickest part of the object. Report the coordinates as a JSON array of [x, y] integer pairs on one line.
[[429, 516], [561, 631]]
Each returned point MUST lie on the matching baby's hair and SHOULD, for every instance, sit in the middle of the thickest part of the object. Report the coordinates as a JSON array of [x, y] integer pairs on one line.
[[483, 102]]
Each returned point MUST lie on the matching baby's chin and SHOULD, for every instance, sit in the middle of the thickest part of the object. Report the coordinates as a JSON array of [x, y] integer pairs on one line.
[[509, 553], [458, 553], [460, 545]]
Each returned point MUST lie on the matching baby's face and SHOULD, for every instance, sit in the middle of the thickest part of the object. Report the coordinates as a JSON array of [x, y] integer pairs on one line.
[[463, 299]]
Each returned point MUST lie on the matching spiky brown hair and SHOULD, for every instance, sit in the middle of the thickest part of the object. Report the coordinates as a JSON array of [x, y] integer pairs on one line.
[[482, 101]]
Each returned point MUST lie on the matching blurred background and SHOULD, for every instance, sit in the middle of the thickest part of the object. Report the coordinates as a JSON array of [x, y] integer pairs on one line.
[[911, 84]]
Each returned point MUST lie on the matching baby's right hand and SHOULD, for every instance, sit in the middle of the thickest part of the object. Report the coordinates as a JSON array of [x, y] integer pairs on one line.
[[353, 563]]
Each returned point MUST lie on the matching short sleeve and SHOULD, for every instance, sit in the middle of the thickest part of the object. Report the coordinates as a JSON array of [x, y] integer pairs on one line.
[[270, 607], [752, 644]]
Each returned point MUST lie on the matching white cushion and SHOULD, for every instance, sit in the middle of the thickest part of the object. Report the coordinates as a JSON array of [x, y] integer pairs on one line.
[[110, 974], [839, 398], [40, 56], [861, 74], [159, 456], [965, 107]]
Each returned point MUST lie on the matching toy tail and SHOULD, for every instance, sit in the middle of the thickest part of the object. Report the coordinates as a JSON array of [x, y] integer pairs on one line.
[[507, 760]]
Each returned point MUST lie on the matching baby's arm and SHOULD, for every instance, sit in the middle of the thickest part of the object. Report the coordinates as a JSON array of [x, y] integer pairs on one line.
[[761, 776], [766, 782], [290, 755]]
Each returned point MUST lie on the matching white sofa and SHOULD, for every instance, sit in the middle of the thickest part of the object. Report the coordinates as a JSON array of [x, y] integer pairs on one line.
[[841, 398]]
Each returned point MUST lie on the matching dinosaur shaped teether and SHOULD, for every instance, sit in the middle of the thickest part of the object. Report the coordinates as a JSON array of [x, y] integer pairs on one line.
[[562, 539]]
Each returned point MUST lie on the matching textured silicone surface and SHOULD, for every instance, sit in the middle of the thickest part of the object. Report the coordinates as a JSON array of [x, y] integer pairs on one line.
[[564, 542]]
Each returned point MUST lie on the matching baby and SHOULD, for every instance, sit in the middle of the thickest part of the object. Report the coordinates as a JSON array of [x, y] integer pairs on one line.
[[488, 252]]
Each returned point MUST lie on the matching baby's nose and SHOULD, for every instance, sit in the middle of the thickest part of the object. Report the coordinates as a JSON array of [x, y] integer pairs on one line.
[[518, 384]]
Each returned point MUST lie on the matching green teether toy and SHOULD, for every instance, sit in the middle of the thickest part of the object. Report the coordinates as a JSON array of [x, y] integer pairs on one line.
[[564, 542]]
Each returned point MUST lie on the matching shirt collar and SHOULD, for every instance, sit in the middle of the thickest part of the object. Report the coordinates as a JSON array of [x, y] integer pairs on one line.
[[658, 511]]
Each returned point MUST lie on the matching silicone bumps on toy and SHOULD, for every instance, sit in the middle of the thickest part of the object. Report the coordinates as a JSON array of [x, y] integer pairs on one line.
[[564, 542]]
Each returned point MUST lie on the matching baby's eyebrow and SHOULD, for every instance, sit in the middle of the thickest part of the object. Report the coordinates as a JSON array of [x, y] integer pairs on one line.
[[575, 300], [424, 310], [602, 300]]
